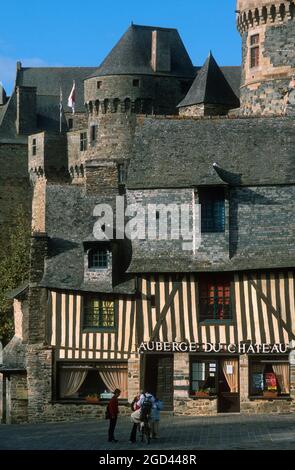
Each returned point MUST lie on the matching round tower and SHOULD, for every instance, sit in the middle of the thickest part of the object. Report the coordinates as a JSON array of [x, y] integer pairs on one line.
[[147, 72], [267, 28]]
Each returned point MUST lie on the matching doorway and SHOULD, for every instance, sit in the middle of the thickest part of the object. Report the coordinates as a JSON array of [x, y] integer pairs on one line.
[[158, 377], [228, 386]]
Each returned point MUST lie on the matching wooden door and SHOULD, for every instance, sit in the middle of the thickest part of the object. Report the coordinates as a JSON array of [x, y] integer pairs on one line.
[[165, 381], [228, 386]]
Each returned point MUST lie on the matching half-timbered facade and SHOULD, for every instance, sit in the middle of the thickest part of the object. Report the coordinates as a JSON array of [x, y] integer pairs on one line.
[[208, 327]]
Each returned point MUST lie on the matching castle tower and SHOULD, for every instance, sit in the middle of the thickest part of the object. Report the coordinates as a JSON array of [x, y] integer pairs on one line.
[[267, 28], [147, 72]]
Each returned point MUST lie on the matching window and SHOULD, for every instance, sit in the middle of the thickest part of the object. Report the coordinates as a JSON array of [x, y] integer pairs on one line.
[[79, 382], [203, 377], [121, 173], [83, 141], [136, 83], [71, 124], [254, 51], [269, 376], [99, 314], [212, 210], [98, 259], [215, 298], [34, 147], [93, 133], [99, 85]]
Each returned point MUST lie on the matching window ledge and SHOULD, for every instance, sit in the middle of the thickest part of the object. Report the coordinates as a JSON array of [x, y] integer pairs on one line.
[[84, 402], [217, 322], [259, 397], [210, 397], [99, 330], [97, 270]]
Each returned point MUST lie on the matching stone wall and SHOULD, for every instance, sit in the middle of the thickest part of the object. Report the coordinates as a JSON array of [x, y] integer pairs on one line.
[[19, 399], [37, 295], [15, 190], [264, 87], [101, 178], [150, 95], [50, 157], [203, 110], [42, 407]]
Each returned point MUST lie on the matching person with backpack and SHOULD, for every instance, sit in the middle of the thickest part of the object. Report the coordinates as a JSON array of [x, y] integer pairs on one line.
[[112, 413], [141, 409], [157, 408]]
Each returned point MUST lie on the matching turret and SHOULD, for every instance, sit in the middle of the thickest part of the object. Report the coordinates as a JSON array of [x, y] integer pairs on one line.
[[210, 94], [267, 28], [149, 71]]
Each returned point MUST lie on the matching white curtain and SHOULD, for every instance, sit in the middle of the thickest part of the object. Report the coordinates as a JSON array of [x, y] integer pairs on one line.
[[71, 381], [282, 375], [230, 370], [115, 379]]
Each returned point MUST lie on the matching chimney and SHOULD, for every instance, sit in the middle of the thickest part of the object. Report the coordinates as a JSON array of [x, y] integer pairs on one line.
[[161, 51], [26, 119], [3, 98]]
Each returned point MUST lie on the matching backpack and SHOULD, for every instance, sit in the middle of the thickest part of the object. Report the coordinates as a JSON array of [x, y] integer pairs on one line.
[[146, 409]]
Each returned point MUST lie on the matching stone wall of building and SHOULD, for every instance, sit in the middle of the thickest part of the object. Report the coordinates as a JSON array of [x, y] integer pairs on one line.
[[142, 94], [264, 87], [48, 155], [203, 110], [19, 398], [41, 405], [15, 189]]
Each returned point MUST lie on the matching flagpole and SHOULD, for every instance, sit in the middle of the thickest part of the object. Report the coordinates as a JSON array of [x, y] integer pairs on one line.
[[60, 110]]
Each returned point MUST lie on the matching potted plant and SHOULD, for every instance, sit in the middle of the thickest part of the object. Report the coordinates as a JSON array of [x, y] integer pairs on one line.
[[94, 398], [203, 393]]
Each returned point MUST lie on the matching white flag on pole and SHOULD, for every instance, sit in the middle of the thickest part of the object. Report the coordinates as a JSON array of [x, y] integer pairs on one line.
[[72, 98]]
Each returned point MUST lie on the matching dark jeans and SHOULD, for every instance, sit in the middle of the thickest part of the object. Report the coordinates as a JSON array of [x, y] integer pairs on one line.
[[133, 433], [113, 422]]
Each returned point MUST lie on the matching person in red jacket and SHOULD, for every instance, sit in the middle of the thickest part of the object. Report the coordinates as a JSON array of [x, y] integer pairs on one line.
[[113, 409]]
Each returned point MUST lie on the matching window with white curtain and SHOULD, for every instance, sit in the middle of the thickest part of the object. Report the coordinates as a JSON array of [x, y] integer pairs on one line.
[[269, 376], [77, 381]]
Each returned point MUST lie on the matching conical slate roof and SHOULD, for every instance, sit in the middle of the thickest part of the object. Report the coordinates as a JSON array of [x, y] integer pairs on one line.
[[210, 87], [132, 54]]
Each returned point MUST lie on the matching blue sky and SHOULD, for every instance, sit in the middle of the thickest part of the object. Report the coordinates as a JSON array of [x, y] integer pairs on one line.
[[82, 32]]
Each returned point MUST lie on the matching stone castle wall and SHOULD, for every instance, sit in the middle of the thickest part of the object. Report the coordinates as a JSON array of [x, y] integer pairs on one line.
[[15, 189], [264, 87]]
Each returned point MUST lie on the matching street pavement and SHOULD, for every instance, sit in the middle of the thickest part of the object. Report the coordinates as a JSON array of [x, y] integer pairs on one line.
[[222, 432]]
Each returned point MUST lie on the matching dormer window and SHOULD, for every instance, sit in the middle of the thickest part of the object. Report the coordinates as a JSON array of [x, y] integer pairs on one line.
[[98, 258], [212, 202]]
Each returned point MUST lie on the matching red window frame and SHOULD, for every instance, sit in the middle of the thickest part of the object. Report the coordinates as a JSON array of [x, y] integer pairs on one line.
[[215, 298]]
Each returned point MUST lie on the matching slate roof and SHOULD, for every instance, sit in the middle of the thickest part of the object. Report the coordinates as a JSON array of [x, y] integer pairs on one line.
[[232, 74], [49, 80], [210, 87], [69, 222], [180, 152], [132, 54]]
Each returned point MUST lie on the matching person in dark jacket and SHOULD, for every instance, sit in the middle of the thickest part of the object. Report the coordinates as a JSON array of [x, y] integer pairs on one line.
[[113, 409]]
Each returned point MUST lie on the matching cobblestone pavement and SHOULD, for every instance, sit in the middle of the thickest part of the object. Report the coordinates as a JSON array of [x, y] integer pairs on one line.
[[226, 432]]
